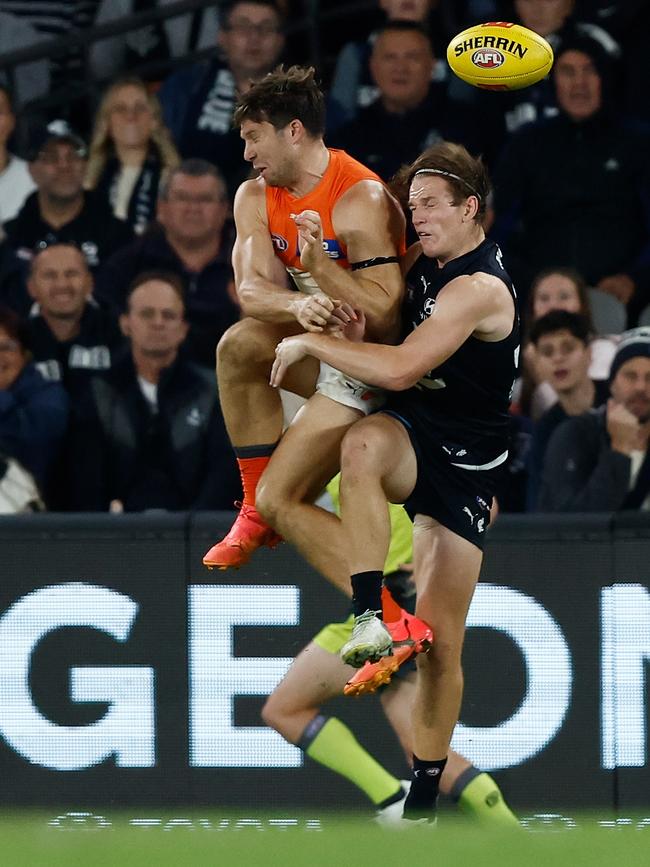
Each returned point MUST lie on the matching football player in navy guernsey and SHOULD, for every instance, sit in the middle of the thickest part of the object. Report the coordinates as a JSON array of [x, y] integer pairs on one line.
[[440, 443]]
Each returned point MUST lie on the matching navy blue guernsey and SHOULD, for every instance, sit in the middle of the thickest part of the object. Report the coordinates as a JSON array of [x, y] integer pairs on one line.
[[466, 399]]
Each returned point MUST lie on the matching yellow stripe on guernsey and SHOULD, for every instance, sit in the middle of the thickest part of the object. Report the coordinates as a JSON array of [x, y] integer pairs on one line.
[[401, 538]]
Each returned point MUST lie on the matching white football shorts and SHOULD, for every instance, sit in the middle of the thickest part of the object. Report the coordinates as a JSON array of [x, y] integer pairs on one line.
[[349, 391]]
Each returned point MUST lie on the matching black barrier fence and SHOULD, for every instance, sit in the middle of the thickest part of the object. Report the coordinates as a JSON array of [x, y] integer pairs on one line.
[[132, 676]]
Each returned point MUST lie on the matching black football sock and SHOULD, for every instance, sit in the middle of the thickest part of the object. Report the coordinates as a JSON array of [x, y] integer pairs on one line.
[[423, 795], [366, 592]]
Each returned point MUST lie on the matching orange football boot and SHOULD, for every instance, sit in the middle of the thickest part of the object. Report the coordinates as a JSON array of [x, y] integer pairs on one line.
[[372, 675], [247, 534], [410, 636], [410, 631]]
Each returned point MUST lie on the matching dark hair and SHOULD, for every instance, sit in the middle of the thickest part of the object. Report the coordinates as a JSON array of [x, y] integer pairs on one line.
[[465, 174], [571, 274], [561, 320], [228, 7], [403, 26], [174, 280], [42, 246], [196, 168], [283, 96], [15, 327]]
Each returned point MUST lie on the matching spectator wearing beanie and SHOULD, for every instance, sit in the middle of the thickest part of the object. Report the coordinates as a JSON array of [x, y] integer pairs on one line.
[[575, 189]]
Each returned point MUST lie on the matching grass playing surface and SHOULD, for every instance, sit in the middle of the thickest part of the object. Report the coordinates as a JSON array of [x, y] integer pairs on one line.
[[208, 838]]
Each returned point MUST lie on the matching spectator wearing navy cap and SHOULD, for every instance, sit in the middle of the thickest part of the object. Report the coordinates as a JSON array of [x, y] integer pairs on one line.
[[600, 461], [59, 211]]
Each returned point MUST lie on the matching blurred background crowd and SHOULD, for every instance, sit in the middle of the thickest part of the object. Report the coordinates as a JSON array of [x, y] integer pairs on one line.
[[118, 166]]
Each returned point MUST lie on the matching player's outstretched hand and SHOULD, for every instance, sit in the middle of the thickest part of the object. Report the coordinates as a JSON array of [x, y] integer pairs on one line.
[[287, 352]]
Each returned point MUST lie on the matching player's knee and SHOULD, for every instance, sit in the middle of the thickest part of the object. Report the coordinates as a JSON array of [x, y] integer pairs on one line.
[[273, 715], [269, 714], [360, 451], [443, 655], [243, 344], [274, 499], [267, 503]]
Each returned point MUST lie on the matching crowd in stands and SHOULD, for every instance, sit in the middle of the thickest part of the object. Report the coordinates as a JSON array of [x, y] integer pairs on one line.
[[116, 233]]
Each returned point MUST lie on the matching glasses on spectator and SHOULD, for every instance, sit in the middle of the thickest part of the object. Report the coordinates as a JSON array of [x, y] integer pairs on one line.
[[243, 27], [9, 346], [201, 199]]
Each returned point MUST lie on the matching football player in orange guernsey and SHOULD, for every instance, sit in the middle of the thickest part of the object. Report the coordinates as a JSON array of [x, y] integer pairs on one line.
[[281, 119]]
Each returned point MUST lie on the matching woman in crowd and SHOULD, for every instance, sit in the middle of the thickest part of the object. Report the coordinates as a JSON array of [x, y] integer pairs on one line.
[[130, 151]]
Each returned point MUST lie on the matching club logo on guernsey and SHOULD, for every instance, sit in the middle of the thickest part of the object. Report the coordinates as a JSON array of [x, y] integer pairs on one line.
[[281, 244], [429, 304]]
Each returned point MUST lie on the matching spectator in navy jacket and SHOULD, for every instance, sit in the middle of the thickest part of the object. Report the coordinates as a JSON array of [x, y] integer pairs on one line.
[[33, 412], [198, 101], [600, 461]]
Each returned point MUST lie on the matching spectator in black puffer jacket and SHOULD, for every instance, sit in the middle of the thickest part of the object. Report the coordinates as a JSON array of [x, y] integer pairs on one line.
[[149, 433]]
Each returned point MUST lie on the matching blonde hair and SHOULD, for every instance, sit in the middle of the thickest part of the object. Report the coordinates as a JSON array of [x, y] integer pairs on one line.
[[101, 143]]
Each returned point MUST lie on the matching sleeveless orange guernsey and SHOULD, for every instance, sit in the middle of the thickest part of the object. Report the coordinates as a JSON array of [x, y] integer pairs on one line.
[[342, 173]]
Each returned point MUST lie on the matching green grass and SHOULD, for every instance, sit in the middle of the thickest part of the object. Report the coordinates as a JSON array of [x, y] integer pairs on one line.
[[28, 839]]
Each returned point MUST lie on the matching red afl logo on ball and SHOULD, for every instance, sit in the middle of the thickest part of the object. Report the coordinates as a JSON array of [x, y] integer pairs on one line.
[[488, 58]]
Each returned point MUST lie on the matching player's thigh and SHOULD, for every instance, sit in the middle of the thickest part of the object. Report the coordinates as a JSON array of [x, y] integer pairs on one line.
[[308, 455], [446, 569], [380, 447], [250, 344], [315, 676]]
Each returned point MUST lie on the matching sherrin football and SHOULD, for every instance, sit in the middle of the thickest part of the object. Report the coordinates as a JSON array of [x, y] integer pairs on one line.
[[500, 56]]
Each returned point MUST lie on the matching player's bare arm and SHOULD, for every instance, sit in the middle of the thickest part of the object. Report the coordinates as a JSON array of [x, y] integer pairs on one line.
[[261, 278], [370, 223], [479, 305]]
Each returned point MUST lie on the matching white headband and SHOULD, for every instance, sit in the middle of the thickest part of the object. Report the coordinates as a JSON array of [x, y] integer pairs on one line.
[[448, 175]]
